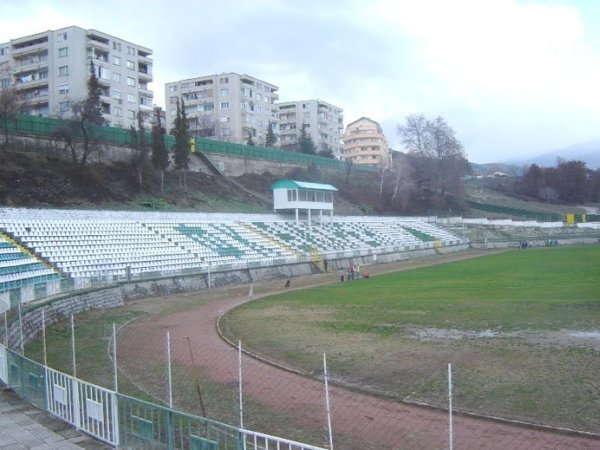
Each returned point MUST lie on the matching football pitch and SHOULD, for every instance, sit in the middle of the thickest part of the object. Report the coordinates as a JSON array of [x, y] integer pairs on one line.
[[521, 329]]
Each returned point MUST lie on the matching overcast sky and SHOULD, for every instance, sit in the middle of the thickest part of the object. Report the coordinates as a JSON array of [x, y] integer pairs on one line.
[[514, 78]]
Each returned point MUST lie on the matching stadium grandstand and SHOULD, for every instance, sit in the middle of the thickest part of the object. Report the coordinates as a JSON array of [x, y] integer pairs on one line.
[[46, 251]]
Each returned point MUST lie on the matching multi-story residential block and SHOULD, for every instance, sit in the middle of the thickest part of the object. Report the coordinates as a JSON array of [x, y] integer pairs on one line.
[[50, 72], [365, 143], [323, 122], [228, 107]]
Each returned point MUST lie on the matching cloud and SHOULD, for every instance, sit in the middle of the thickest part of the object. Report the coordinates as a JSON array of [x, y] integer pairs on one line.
[[510, 76]]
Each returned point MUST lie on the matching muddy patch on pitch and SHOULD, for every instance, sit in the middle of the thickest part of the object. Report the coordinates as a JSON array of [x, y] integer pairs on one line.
[[567, 338]]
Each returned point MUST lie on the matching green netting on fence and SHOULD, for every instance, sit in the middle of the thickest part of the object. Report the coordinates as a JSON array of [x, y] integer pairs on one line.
[[147, 425], [541, 217], [46, 126], [27, 378]]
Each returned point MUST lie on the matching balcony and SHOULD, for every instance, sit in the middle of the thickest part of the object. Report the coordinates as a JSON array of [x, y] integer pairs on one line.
[[31, 84], [144, 77], [30, 47], [145, 57], [30, 67], [98, 41]]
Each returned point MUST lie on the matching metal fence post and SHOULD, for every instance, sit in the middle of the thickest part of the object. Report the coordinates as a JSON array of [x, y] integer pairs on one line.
[[170, 388], [450, 430], [73, 362], [327, 405], [115, 367], [44, 338], [240, 385], [6, 328], [21, 340]]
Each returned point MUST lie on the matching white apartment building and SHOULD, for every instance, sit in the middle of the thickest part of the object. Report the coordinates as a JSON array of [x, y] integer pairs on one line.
[[365, 143], [323, 122], [50, 71], [228, 107]]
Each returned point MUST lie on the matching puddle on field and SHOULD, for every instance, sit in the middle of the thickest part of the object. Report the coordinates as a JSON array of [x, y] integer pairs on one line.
[[590, 339], [453, 334], [585, 334]]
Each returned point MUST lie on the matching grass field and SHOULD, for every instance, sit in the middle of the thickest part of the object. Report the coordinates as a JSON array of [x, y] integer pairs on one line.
[[521, 329]]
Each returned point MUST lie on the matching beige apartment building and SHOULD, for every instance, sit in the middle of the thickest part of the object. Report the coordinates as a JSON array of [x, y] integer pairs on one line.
[[50, 71], [365, 143], [323, 122], [228, 107]]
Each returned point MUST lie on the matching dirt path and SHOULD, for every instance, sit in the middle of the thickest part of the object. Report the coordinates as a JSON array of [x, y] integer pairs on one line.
[[360, 421]]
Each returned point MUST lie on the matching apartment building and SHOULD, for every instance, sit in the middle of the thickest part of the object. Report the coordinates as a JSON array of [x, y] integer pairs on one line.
[[365, 143], [230, 107], [322, 121], [50, 71]]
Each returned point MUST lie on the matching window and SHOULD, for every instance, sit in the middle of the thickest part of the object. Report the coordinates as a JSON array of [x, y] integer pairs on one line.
[[61, 37], [130, 81], [63, 106], [118, 111], [173, 88], [131, 114], [116, 77], [117, 60], [63, 51], [130, 64], [4, 82], [130, 50], [224, 119], [117, 46], [118, 95], [44, 74], [131, 98], [63, 89], [224, 105], [103, 72], [63, 71], [173, 100], [224, 92], [223, 80], [185, 85], [173, 112]]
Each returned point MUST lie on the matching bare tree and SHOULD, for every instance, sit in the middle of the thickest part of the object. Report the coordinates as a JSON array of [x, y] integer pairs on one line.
[[437, 158], [415, 134], [10, 108], [80, 128]]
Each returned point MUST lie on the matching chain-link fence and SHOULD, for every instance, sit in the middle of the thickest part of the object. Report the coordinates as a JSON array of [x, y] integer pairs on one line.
[[180, 359]]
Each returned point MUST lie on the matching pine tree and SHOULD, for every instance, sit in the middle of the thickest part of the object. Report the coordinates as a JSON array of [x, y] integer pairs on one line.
[[271, 139], [182, 140], [305, 142], [92, 109], [160, 157]]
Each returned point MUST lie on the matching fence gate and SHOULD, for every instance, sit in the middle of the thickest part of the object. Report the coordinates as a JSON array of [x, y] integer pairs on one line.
[[84, 405]]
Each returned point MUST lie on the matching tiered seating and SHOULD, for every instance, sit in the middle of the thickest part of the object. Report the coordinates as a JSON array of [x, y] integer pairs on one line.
[[100, 249], [115, 245], [18, 269], [220, 242]]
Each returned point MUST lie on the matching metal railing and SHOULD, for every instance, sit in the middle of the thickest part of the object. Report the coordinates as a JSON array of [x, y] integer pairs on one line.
[[123, 421]]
